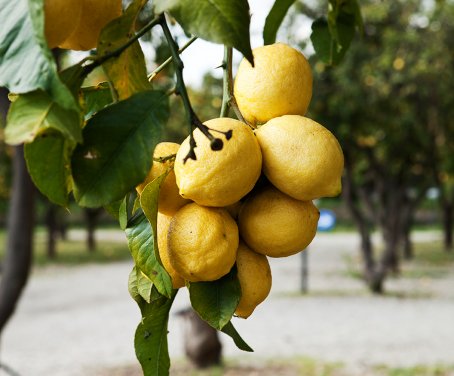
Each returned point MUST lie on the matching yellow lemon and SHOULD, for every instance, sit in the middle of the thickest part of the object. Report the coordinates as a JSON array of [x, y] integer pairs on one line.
[[60, 19], [277, 225], [301, 157], [169, 200], [254, 275], [95, 15], [163, 229], [202, 242], [280, 83], [219, 178]]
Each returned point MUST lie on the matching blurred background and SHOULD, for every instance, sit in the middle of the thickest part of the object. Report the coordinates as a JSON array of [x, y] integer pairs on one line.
[[374, 293]]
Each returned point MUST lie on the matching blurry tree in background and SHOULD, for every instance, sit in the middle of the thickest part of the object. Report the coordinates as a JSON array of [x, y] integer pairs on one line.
[[390, 103]]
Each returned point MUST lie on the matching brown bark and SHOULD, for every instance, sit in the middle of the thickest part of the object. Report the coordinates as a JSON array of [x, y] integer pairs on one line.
[[361, 223], [91, 217], [448, 222], [51, 223], [17, 261]]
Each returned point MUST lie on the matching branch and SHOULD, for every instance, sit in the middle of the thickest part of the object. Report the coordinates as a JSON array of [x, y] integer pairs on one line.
[[99, 60], [228, 99], [194, 121], [169, 60]]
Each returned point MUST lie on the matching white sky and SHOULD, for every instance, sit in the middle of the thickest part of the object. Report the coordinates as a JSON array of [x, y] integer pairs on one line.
[[204, 56]]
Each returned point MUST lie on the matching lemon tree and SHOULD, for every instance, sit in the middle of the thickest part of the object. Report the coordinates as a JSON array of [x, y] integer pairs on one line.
[[184, 209]]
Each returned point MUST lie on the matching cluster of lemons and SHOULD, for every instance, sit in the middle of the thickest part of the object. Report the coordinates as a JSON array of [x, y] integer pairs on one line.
[[253, 198], [76, 24]]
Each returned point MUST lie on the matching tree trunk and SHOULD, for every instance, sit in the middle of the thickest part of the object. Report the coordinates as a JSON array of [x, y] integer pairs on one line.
[[91, 216], [17, 261], [448, 208], [366, 247], [52, 229]]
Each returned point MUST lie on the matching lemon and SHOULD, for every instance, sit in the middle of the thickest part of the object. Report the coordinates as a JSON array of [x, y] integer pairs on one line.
[[95, 15], [277, 225], [202, 242], [219, 178], [60, 19], [169, 200], [280, 83], [301, 157], [163, 229], [254, 275]]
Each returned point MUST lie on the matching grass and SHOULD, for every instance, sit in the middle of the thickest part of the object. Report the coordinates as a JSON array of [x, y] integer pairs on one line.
[[73, 252], [419, 370], [430, 261]]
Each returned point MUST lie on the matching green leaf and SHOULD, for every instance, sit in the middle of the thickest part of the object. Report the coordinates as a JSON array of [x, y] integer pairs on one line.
[[117, 150], [216, 301], [114, 209], [32, 114], [230, 330], [96, 98], [127, 72], [144, 286], [48, 161], [150, 339], [141, 244], [133, 287], [26, 63], [218, 21], [323, 43], [274, 20], [149, 205], [332, 38]]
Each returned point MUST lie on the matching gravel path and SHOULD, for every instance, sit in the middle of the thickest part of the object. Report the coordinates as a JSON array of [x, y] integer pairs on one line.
[[80, 320]]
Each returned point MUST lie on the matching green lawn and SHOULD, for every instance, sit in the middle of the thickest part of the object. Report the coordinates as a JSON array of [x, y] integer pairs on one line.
[[71, 252]]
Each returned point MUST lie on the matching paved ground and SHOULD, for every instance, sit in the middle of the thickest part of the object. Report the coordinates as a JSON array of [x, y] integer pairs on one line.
[[81, 320]]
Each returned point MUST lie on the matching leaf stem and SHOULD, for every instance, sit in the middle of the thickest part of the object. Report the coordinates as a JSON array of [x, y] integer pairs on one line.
[[194, 121], [228, 99], [169, 60]]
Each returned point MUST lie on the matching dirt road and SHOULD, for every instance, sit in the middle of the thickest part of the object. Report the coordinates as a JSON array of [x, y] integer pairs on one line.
[[79, 320]]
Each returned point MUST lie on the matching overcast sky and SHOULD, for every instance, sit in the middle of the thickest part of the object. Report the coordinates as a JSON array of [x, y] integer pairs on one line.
[[203, 56]]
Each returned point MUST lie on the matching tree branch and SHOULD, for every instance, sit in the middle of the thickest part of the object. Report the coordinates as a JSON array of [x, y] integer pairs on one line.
[[194, 121]]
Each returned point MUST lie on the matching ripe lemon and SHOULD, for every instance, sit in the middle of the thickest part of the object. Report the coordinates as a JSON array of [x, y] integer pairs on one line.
[[169, 200], [280, 83], [301, 157], [277, 225], [202, 242], [254, 275], [95, 15], [60, 19], [163, 229], [219, 178]]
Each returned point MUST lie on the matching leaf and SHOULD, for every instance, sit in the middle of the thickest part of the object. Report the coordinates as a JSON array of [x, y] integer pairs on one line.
[[141, 244], [230, 330], [332, 38], [218, 21], [26, 63], [133, 287], [144, 286], [127, 72], [114, 209], [96, 98], [274, 20], [48, 161], [150, 339], [216, 301], [117, 150], [149, 204], [32, 114]]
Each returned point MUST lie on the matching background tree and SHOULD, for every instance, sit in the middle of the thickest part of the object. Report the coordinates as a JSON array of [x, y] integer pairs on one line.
[[386, 103]]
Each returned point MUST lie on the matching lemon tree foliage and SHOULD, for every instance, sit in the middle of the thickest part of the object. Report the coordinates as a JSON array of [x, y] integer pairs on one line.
[[98, 144]]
